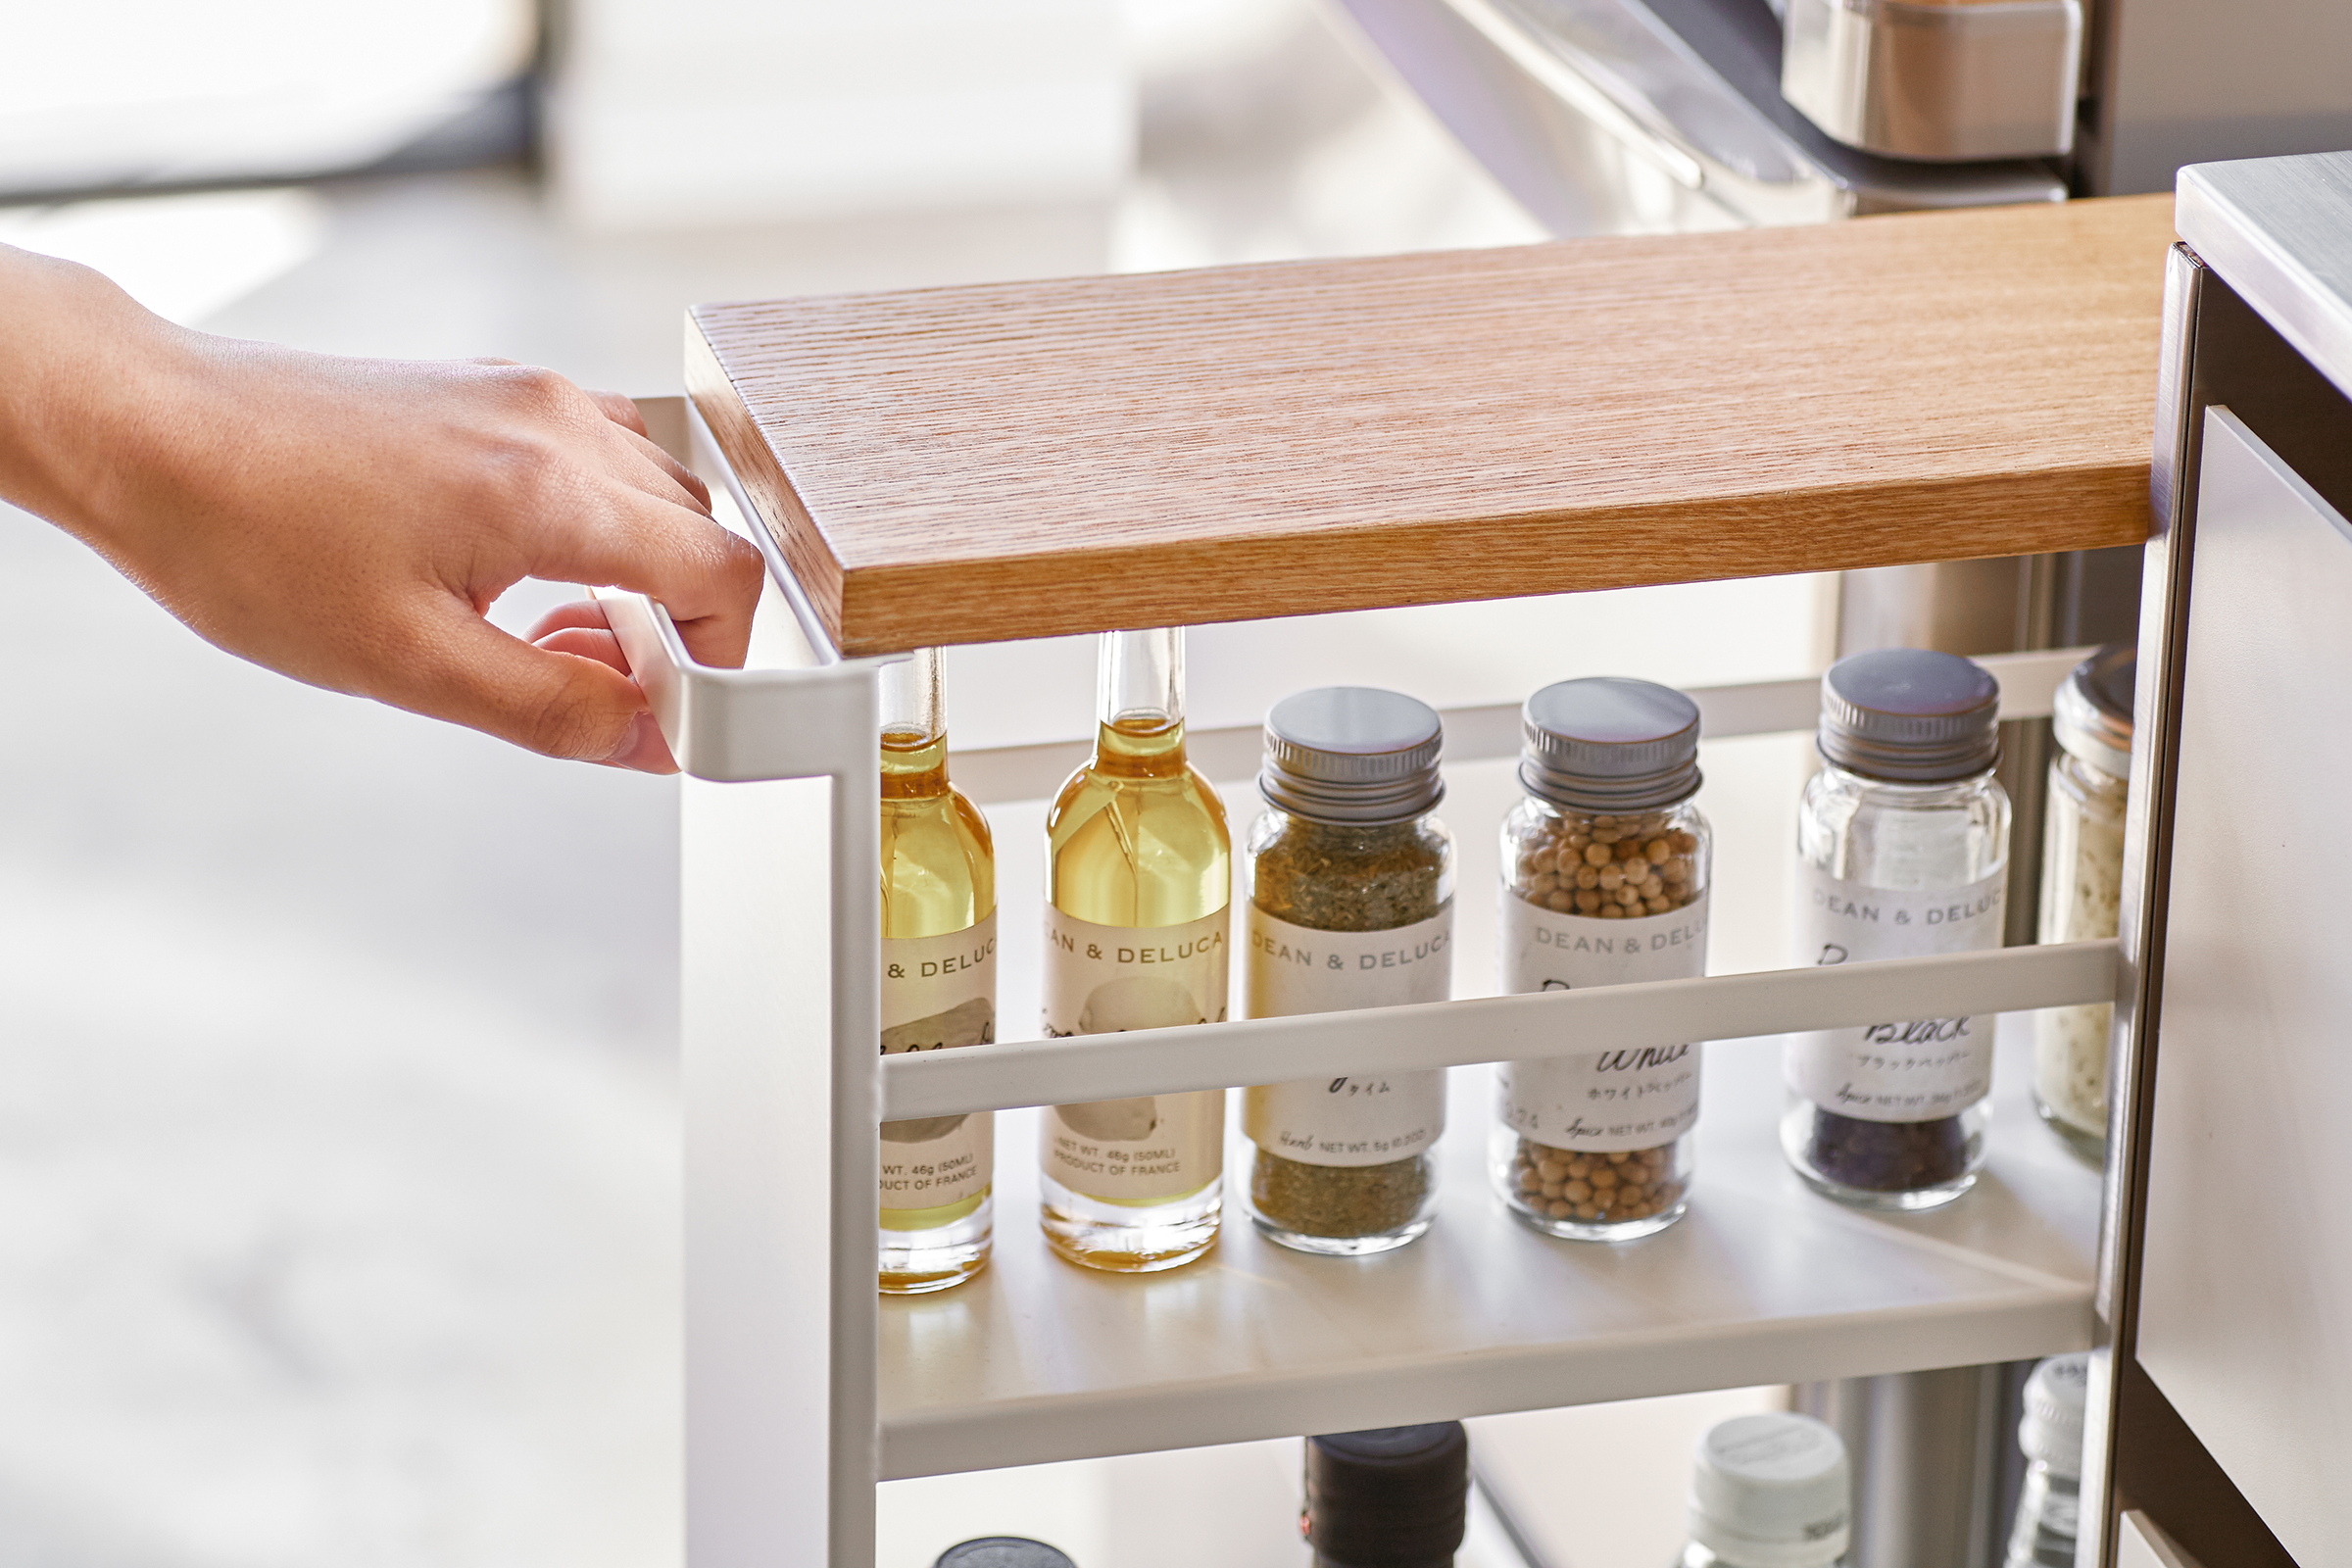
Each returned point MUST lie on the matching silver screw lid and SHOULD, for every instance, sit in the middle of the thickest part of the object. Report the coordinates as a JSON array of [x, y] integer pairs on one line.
[[2051, 1432], [1772, 1492], [1353, 753], [1002, 1552], [1610, 744], [1910, 717], [2092, 713]]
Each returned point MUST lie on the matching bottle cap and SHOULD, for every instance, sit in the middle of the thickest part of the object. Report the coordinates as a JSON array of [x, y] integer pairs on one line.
[[1608, 744], [1353, 753], [2091, 712], [2051, 1432], [1002, 1552], [1392, 1498], [1771, 1491], [1910, 717]]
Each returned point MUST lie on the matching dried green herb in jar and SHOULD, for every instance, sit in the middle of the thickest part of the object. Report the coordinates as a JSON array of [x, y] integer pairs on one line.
[[1338, 1201], [1351, 905], [1351, 877]]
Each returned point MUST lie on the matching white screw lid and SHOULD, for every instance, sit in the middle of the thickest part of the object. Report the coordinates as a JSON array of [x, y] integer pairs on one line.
[[1771, 1491], [2051, 1432]]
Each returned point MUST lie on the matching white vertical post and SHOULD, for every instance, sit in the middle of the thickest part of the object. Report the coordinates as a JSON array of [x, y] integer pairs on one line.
[[779, 913], [857, 1018]]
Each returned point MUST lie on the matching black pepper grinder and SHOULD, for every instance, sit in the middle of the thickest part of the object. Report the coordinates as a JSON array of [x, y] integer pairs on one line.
[[1392, 1498], [1002, 1552]]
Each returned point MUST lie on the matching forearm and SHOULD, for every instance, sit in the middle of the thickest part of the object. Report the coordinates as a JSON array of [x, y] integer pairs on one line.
[[86, 394]]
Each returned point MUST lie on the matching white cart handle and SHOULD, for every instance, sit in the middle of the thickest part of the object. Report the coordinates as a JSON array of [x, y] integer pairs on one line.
[[737, 725]]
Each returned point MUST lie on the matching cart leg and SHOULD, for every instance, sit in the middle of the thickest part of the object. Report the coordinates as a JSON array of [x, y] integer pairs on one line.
[[779, 1077], [1932, 1457]]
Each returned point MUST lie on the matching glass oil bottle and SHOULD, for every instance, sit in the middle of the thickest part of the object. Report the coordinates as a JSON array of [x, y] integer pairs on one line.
[[1138, 886], [938, 986]]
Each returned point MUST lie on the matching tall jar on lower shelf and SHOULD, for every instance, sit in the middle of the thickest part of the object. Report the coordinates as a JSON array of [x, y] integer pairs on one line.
[[2083, 884], [1770, 1491], [1351, 905], [1604, 882], [2049, 1503], [1903, 852]]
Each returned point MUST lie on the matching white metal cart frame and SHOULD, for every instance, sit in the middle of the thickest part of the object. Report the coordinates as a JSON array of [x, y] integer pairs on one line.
[[784, 1091]]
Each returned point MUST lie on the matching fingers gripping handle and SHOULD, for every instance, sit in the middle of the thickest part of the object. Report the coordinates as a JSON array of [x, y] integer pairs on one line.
[[739, 725]]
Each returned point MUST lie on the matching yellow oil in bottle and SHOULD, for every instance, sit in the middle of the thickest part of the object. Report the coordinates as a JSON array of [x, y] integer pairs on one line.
[[939, 942], [1138, 879]]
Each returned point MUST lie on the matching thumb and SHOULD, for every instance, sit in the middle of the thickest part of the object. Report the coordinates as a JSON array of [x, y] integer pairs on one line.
[[645, 752], [567, 693]]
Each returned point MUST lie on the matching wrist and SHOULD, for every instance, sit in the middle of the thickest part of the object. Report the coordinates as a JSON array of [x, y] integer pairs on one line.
[[89, 382]]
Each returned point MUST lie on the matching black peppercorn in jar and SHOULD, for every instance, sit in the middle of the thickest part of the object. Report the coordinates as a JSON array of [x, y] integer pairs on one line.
[[1351, 905], [1902, 850], [1604, 882]]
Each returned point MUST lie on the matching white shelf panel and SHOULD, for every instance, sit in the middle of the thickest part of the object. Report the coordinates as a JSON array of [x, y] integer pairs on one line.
[[1763, 1282]]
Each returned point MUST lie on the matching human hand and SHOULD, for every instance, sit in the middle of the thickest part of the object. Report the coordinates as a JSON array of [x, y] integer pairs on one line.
[[348, 521]]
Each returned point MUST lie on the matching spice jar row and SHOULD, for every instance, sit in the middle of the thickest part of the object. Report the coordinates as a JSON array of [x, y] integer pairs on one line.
[[1606, 877]]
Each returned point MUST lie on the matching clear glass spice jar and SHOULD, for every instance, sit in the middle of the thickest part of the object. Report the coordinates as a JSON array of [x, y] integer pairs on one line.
[[2049, 1504], [1351, 905], [1604, 882], [1902, 850], [1770, 1491], [2082, 883]]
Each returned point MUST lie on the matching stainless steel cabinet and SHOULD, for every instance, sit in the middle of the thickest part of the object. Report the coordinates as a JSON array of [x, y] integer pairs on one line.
[[2228, 1233]]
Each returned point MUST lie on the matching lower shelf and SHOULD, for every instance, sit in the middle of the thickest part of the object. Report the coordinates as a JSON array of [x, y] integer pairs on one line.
[[1762, 1282]]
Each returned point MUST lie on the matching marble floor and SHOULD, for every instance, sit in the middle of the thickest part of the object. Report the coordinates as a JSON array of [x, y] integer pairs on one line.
[[338, 1165]]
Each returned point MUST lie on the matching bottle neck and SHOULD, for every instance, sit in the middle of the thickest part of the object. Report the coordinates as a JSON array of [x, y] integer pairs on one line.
[[1138, 704], [914, 729]]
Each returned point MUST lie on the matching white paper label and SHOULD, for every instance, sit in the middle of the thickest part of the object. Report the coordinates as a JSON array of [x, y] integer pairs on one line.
[[1915, 1070], [1106, 979], [1606, 1099], [1295, 969], [938, 994], [1359, 1120], [1546, 952]]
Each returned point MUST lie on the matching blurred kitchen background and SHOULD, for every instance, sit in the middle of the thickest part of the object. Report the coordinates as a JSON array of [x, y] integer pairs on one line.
[[338, 1164]]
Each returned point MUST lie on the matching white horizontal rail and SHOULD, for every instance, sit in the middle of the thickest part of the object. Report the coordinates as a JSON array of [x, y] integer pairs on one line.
[[1446, 1034], [2028, 682]]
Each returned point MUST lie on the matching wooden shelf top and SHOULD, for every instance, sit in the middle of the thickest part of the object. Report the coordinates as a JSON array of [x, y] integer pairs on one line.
[[1027, 460]]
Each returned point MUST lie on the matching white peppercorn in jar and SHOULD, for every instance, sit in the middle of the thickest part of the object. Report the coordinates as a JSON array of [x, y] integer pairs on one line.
[[1604, 882], [2082, 883], [1902, 850]]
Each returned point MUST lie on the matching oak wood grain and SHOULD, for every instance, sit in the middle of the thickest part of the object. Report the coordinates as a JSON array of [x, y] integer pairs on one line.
[[1024, 460]]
